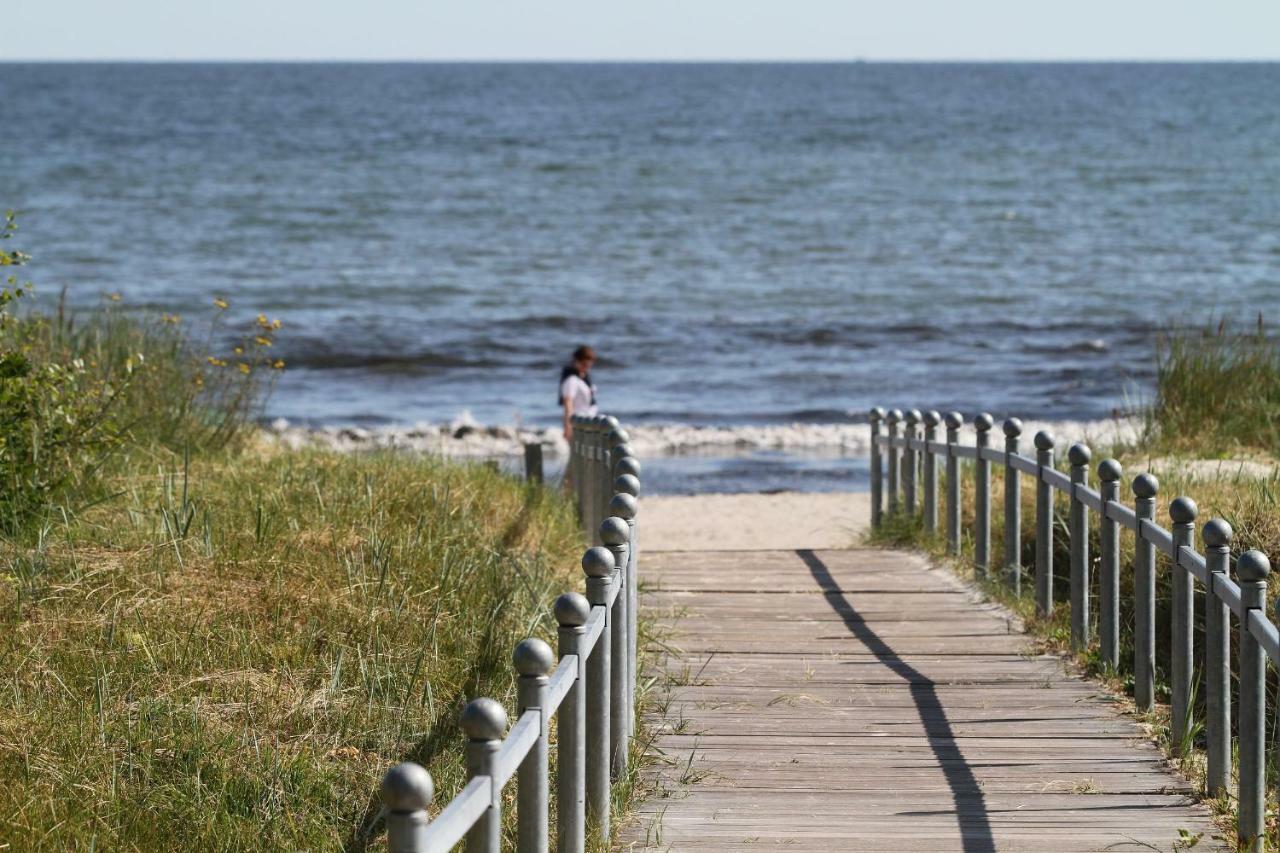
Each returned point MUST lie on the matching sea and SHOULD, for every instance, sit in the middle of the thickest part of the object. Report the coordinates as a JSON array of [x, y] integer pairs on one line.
[[750, 247]]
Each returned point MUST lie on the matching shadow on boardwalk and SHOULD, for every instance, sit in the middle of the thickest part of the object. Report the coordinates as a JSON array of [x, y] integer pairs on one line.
[[970, 804]]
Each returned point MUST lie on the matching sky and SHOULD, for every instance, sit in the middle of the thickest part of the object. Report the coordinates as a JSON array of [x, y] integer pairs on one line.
[[639, 29]]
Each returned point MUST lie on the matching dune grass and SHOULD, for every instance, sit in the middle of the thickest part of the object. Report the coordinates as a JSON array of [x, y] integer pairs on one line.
[[212, 643], [1217, 391], [229, 654]]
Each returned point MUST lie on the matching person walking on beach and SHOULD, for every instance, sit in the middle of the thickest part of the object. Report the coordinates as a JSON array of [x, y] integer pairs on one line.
[[577, 391]]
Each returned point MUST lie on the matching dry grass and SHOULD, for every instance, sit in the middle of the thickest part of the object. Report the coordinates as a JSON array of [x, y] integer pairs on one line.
[[227, 657]]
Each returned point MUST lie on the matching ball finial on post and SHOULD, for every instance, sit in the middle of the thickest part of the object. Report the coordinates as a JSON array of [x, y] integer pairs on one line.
[[876, 414], [597, 562], [1216, 533], [627, 465], [532, 657], [1044, 440], [954, 420], [407, 787], [627, 484], [1253, 566], [912, 417], [1145, 486], [983, 422], [931, 418], [1012, 427], [614, 531], [1183, 510], [571, 610], [624, 506], [483, 719], [1079, 454], [1109, 471]]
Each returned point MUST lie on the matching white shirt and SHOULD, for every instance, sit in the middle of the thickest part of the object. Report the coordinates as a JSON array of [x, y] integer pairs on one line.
[[579, 394]]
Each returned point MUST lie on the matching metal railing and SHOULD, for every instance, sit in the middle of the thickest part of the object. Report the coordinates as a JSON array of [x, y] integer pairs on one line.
[[590, 692], [908, 449]]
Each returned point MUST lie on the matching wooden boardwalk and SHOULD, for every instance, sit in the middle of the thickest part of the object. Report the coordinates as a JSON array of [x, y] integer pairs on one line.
[[860, 700]]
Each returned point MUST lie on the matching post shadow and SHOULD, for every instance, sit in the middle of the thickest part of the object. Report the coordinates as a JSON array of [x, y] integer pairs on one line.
[[970, 803]]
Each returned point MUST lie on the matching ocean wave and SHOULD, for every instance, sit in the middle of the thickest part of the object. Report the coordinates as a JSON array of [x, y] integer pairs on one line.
[[465, 438]]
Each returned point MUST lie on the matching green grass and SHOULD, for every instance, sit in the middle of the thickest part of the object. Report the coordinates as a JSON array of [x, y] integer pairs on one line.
[[211, 643], [208, 642], [228, 655], [1217, 391]]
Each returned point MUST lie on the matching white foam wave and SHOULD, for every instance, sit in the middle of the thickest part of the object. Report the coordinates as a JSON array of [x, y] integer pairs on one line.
[[465, 438]]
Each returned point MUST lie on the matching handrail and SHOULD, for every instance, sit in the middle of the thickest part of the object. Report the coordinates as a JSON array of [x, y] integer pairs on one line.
[[1243, 598], [516, 745], [591, 692], [562, 681], [457, 818]]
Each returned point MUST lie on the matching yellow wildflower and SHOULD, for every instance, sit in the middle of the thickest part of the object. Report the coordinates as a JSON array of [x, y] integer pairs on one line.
[[115, 297], [239, 350], [215, 361], [244, 368], [262, 342], [275, 324], [220, 303], [172, 319], [278, 364]]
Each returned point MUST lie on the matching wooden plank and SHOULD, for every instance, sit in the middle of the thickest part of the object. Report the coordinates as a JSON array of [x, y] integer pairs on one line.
[[863, 700]]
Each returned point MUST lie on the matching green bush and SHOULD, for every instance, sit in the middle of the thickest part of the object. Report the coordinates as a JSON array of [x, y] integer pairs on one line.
[[75, 389]]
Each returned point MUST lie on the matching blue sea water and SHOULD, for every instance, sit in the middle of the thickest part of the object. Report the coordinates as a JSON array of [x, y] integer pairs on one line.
[[744, 244]]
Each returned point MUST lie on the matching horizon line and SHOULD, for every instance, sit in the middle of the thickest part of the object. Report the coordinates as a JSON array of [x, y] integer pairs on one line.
[[646, 61]]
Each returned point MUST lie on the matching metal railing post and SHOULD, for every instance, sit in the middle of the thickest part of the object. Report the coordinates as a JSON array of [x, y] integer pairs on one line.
[[911, 419], [533, 462], [626, 507], [1109, 472], [630, 486], [588, 429], [611, 436], [1252, 569], [597, 563], [874, 419], [931, 421], [1078, 521], [1044, 525], [407, 790], [1012, 508], [485, 723], [1183, 512], [1145, 488], [532, 660], [571, 611], [575, 464], [892, 420], [954, 421], [1217, 535], [982, 497], [615, 534]]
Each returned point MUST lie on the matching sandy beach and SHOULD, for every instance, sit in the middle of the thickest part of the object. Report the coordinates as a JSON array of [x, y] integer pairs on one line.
[[746, 522]]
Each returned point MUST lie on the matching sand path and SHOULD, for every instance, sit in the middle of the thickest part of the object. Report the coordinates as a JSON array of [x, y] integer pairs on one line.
[[753, 522]]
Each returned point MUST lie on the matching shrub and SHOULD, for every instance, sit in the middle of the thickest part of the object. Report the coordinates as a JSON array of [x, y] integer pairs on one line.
[[75, 389]]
